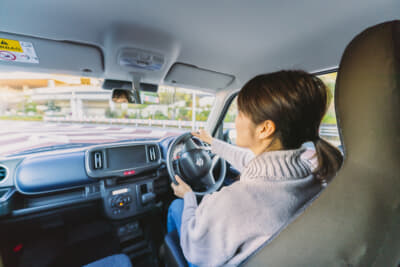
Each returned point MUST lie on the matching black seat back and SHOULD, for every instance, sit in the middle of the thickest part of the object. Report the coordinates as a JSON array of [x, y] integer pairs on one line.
[[356, 220]]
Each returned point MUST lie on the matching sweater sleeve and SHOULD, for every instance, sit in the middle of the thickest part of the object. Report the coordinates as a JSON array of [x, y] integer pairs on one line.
[[203, 237], [238, 157]]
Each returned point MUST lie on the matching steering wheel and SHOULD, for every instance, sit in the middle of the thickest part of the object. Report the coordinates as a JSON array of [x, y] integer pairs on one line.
[[195, 165]]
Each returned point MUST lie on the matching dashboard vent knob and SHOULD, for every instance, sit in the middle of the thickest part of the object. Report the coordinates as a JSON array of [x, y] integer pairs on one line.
[[3, 173], [152, 153]]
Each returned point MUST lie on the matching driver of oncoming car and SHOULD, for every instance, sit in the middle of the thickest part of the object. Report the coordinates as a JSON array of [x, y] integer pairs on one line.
[[278, 112]]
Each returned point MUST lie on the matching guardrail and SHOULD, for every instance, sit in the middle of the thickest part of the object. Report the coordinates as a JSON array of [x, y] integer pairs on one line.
[[325, 129], [136, 122], [328, 130]]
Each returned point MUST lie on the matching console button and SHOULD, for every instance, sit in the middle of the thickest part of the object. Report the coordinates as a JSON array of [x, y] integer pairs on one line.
[[120, 202], [122, 230], [112, 201], [116, 211], [131, 226]]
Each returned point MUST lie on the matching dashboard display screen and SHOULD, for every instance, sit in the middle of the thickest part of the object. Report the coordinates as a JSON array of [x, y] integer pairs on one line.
[[120, 158]]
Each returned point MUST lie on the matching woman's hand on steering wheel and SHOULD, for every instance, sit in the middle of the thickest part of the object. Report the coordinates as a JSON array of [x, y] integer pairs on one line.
[[181, 188], [203, 135], [194, 165]]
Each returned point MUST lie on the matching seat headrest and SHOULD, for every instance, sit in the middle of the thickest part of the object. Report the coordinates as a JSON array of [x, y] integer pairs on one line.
[[368, 95]]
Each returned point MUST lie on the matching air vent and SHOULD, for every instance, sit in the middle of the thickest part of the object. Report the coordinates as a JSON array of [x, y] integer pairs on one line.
[[3, 173], [97, 160], [152, 153]]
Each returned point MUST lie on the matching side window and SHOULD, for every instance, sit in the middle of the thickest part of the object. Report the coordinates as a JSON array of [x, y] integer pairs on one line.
[[328, 129], [229, 130]]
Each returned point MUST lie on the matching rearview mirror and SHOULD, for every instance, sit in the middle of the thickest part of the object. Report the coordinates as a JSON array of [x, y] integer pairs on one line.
[[130, 91], [125, 96]]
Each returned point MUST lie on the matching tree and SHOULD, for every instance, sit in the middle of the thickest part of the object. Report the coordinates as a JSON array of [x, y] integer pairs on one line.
[[184, 114], [30, 107], [111, 114], [160, 116], [203, 115]]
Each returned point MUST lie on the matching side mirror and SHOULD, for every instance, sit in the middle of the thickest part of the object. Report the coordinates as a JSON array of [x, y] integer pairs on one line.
[[125, 96]]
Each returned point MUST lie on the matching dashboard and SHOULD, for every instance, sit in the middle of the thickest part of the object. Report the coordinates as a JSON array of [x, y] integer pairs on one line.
[[125, 178]]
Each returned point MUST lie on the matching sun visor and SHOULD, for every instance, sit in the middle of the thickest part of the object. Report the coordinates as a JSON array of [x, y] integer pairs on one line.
[[22, 53], [193, 77]]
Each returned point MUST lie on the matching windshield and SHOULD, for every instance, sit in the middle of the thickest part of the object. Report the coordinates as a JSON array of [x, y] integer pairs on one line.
[[40, 112]]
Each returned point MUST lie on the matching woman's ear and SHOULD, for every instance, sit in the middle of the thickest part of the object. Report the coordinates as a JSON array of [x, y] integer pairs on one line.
[[266, 129]]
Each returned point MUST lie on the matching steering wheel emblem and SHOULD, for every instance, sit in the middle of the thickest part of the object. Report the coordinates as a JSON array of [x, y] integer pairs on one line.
[[199, 162]]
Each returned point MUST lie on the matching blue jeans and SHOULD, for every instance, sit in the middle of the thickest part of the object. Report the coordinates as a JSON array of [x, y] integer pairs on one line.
[[174, 219], [118, 260]]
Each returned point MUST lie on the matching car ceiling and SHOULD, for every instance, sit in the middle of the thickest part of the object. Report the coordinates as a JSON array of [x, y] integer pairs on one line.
[[239, 38]]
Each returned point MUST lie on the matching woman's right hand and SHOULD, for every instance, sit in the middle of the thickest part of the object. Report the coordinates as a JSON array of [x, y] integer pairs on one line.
[[203, 135]]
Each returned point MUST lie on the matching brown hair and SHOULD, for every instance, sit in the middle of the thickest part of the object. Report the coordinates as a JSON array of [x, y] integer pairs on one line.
[[296, 102]]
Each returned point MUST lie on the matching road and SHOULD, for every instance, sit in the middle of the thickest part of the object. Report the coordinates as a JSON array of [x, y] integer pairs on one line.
[[17, 136]]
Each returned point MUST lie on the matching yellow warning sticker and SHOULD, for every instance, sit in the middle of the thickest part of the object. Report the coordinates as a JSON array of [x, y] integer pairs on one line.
[[17, 51], [10, 45]]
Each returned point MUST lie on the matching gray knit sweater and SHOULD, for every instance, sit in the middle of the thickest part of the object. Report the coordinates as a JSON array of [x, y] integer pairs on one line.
[[227, 226]]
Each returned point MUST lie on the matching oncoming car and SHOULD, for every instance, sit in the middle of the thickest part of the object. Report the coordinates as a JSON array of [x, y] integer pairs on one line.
[[97, 99]]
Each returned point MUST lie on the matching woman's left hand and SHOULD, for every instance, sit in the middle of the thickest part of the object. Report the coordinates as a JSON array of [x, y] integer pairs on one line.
[[181, 188]]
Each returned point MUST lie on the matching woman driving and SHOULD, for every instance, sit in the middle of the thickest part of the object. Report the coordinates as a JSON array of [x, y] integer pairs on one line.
[[278, 112]]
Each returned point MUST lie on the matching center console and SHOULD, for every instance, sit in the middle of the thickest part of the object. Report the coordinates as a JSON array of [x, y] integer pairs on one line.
[[127, 173], [122, 201]]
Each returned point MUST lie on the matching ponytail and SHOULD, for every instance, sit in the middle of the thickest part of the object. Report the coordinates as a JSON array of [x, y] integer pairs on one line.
[[329, 160]]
